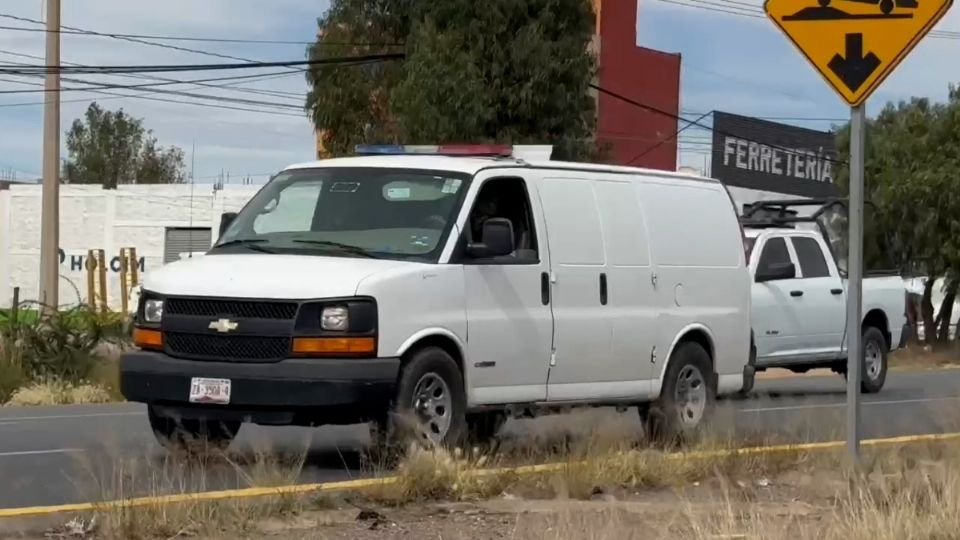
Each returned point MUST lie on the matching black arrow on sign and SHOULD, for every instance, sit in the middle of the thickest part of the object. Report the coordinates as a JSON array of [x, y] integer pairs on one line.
[[855, 68]]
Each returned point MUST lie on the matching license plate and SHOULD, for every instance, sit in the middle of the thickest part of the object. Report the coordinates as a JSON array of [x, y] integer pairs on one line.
[[215, 391]]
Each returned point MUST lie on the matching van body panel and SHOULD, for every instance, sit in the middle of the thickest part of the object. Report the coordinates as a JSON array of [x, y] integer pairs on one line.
[[411, 299], [701, 278], [583, 329], [510, 328]]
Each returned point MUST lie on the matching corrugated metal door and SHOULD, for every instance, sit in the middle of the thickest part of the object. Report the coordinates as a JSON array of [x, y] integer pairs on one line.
[[179, 240]]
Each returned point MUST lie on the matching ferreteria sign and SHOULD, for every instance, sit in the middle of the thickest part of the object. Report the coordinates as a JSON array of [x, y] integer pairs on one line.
[[768, 156]]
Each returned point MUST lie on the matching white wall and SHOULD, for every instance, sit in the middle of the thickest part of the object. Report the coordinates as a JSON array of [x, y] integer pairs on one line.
[[95, 218]]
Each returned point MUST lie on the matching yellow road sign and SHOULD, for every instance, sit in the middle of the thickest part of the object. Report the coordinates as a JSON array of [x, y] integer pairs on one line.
[[855, 44]]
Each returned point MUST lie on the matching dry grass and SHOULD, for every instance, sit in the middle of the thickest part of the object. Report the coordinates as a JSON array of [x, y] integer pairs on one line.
[[924, 357], [58, 393], [129, 481], [567, 465]]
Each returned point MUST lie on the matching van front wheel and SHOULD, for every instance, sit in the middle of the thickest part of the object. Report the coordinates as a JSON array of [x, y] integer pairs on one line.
[[686, 398], [431, 401]]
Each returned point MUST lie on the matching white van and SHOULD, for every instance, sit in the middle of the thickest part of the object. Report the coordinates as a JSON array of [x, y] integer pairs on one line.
[[454, 289]]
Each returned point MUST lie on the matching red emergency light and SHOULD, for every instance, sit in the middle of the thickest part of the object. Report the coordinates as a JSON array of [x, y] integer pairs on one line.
[[475, 150]]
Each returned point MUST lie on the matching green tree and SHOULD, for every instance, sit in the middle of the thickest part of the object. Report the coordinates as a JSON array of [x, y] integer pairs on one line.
[[506, 71], [112, 148], [911, 159]]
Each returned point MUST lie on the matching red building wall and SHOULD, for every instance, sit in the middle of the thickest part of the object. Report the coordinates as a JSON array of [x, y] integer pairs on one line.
[[643, 75]]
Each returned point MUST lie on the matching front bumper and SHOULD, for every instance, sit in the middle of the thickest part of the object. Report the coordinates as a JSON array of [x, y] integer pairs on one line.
[[302, 391]]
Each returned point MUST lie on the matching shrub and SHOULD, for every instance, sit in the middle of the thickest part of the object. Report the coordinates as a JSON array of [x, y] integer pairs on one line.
[[62, 348]]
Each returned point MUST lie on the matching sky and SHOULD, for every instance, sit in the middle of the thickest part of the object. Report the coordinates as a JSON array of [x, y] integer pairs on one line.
[[732, 63]]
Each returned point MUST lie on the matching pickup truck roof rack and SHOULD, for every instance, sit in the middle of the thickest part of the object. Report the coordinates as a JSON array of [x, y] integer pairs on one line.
[[781, 213]]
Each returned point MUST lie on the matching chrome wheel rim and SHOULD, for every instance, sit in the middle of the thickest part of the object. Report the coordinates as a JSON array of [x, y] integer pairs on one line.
[[690, 396], [872, 359], [433, 406]]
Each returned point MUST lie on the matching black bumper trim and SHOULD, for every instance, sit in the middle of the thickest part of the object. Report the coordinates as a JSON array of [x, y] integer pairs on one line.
[[286, 386]]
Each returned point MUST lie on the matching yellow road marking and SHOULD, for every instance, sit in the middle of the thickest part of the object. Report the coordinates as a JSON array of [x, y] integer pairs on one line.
[[356, 485]]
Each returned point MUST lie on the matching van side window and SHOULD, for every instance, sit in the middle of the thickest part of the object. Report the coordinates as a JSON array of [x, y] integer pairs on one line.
[[506, 198], [774, 252], [810, 257]]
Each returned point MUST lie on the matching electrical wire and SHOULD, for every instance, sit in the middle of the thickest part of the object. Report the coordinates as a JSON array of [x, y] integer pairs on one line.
[[232, 87], [673, 116], [197, 39], [746, 9], [671, 137], [147, 68]]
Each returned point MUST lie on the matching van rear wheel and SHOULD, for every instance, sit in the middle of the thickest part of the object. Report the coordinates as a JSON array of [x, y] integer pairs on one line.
[[686, 399]]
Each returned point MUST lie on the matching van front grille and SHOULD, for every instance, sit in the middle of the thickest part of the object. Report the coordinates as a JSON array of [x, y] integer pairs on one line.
[[201, 307], [229, 348]]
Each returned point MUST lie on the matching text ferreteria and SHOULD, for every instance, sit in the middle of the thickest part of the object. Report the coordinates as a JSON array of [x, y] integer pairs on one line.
[[798, 163]]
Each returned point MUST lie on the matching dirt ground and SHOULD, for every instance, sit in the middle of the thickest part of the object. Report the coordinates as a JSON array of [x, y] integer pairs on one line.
[[792, 505]]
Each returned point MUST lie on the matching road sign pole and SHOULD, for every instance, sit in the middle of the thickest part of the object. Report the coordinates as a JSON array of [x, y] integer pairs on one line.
[[855, 281]]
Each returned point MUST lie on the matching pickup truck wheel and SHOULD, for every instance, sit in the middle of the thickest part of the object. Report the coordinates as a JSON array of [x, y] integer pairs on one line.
[[191, 434], [874, 364], [750, 375], [686, 399], [431, 402]]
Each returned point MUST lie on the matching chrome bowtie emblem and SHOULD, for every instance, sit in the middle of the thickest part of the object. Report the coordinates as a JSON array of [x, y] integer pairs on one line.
[[223, 325]]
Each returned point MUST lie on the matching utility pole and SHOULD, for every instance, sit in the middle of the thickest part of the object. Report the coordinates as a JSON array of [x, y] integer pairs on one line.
[[50, 212]]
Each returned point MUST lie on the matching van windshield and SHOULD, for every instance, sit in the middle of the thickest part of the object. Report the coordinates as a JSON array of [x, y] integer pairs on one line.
[[350, 212]]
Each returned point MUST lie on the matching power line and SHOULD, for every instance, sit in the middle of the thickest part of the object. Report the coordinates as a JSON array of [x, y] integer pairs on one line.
[[665, 139], [141, 85], [745, 9], [232, 87], [147, 68], [146, 95], [200, 39], [673, 116]]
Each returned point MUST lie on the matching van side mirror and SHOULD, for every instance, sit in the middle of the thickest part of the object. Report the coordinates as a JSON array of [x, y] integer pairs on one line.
[[497, 239], [225, 220], [775, 272]]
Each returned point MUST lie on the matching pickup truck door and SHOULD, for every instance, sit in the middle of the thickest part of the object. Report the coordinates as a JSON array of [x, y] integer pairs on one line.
[[776, 324], [822, 306]]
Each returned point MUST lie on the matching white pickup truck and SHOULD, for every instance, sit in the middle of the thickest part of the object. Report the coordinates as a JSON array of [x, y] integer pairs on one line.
[[799, 299]]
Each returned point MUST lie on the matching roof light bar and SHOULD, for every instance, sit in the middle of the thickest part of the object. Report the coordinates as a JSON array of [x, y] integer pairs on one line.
[[502, 150]]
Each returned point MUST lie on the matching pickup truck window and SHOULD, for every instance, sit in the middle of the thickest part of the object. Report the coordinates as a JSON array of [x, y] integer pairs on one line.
[[774, 252], [810, 256]]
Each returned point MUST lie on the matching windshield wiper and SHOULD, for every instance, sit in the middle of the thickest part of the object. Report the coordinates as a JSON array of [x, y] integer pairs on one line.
[[347, 248], [250, 243]]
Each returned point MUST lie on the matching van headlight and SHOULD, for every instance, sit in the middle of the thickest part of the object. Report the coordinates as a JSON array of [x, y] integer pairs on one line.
[[335, 318], [153, 311]]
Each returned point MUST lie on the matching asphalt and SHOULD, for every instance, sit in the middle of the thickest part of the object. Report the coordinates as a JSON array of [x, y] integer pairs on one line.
[[58, 455]]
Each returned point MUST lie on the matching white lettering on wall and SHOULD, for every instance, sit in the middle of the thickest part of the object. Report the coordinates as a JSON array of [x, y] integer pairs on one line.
[[794, 163]]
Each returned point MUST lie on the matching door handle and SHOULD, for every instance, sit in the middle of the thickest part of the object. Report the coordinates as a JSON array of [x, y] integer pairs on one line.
[[796, 293], [603, 289], [544, 288], [836, 291]]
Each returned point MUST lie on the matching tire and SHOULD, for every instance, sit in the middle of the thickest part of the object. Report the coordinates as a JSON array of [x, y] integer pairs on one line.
[[426, 410], [750, 379], [668, 420], [873, 361], [875, 344], [190, 434]]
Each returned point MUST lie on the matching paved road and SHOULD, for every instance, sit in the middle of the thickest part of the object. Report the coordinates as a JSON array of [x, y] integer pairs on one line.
[[55, 455]]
